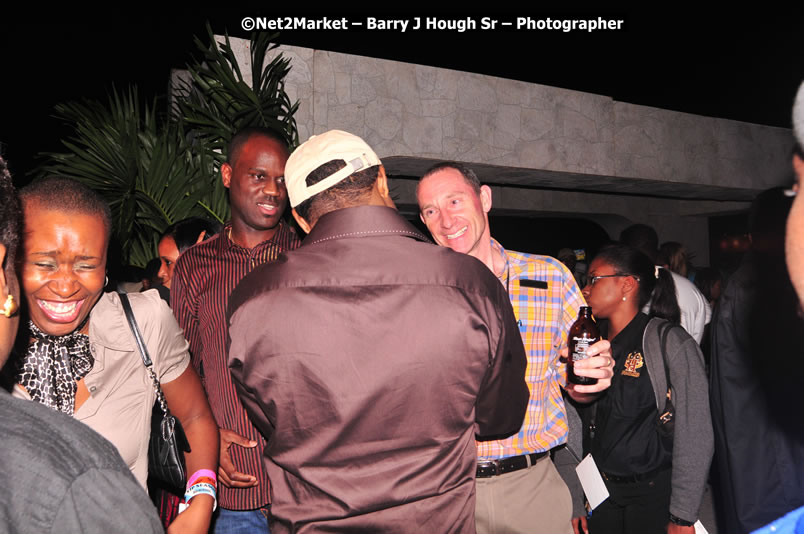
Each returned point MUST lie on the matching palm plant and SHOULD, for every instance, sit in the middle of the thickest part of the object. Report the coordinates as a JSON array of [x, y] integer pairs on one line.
[[155, 170], [142, 166], [218, 102]]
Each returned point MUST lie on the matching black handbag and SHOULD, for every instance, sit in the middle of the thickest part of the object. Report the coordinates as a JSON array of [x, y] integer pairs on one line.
[[168, 442]]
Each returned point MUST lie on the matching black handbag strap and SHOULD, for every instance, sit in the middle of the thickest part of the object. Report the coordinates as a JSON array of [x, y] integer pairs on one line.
[[143, 350], [132, 323], [666, 327]]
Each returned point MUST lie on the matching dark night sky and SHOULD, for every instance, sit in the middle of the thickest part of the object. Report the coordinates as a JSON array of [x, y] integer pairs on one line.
[[739, 66]]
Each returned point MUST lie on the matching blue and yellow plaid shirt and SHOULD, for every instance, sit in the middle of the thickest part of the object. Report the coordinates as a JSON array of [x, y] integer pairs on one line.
[[546, 300]]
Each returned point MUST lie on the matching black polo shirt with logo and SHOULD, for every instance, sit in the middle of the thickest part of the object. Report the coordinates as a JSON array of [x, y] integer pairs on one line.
[[626, 441]]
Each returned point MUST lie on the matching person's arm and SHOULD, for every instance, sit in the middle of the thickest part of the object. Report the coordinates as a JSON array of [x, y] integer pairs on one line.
[[187, 401], [702, 315], [566, 458], [503, 397], [693, 442]]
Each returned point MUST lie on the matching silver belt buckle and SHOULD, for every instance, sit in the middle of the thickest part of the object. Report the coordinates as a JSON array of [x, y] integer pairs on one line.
[[489, 463]]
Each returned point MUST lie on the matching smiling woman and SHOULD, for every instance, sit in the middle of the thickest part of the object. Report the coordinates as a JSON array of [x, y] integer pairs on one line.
[[82, 359], [64, 267], [49, 458]]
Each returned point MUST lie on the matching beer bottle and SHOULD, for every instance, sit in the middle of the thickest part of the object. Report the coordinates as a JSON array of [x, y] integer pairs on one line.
[[583, 332]]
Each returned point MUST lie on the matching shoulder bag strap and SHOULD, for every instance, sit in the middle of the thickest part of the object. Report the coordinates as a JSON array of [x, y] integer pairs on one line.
[[666, 327], [143, 350], [132, 324]]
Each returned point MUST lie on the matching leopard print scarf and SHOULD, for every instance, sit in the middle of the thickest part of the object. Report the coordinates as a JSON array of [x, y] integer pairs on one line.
[[52, 365]]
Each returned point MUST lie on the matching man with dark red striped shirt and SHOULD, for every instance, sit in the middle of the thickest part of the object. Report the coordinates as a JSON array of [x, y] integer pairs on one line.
[[203, 279]]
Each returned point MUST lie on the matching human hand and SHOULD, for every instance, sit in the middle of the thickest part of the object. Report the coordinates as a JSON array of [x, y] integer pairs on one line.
[[579, 525], [195, 519], [599, 364], [227, 474], [672, 528]]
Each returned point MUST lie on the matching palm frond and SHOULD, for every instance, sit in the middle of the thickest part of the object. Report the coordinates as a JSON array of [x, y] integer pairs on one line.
[[154, 171]]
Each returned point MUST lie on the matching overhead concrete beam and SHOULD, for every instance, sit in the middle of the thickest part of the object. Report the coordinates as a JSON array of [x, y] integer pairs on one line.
[[529, 135], [547, 150]]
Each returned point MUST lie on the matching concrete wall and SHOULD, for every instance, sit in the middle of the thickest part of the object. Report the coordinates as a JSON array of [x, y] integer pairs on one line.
[[548, 150]]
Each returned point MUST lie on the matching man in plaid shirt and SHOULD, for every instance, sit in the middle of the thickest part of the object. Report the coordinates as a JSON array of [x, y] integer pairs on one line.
[[518, 488]]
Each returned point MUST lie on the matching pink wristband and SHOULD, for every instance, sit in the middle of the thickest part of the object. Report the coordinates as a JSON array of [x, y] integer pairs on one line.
[[202, 473]]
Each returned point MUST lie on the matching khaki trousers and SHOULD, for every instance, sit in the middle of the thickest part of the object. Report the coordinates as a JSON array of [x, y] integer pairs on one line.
[[534, 500]]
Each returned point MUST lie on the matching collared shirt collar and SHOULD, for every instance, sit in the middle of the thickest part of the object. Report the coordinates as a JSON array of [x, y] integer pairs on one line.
[[505, 276], [226, 242], [362, 221]]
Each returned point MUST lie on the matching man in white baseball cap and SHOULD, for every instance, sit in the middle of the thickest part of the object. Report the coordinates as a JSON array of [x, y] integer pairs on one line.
[[370, 358]]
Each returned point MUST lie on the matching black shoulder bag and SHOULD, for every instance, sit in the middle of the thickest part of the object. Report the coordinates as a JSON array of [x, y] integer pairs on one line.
[[168, 442]]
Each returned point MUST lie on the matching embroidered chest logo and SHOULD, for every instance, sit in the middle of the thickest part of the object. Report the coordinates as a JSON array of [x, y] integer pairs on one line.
[[632, 363]]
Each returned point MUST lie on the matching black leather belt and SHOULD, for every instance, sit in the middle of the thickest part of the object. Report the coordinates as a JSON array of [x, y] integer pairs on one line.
[[631, 479], [490, 468]]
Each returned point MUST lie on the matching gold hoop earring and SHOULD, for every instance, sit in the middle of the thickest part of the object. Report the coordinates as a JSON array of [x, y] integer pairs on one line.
[[10, 307]]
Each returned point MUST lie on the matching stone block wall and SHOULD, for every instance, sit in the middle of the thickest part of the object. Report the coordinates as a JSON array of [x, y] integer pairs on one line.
[[546, 149]]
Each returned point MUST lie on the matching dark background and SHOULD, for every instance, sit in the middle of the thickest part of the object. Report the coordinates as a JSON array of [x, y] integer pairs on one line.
[[742, 66], [738, 65]]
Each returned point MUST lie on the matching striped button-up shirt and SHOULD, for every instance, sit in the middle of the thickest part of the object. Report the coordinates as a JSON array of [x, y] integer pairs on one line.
[[204, 277], [546, 300]]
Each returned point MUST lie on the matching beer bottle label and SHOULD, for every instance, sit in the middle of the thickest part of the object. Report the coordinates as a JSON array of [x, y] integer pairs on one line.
[[580, 344]]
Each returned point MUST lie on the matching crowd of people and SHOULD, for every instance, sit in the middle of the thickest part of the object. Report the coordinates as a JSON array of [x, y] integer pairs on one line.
[[367, 380]]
